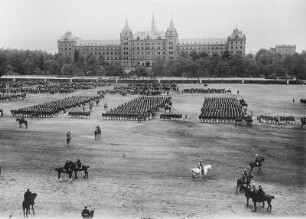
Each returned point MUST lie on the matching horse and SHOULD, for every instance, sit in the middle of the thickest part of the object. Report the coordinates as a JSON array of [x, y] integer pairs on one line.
[[76, 168], [26, 204], [257, 198], [61, 170], [260, 161], [22, 121], [198, 171], [241, 182]]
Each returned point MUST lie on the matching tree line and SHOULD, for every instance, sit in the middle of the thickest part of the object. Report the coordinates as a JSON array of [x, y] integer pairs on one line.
[[265, 64]]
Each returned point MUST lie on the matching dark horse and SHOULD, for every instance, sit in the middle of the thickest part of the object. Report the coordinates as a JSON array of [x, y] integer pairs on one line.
[[26, 204], [22, 121], [241, 182], [73, 167], [257, 198], [260, 161]]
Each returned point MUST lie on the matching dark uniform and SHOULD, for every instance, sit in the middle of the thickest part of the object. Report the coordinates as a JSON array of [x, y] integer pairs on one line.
[[85, 213]]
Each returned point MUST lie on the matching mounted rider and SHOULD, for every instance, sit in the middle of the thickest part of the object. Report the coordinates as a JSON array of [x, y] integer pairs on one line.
[[79, 164], [245, 175], [253, 186], [67, 165], [200, 166], [28, 195], [261, 193]]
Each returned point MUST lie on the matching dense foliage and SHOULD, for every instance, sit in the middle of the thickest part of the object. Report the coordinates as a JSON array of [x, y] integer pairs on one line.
[[265, 64]]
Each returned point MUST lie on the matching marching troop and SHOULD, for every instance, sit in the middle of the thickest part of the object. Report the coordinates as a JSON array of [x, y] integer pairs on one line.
[[221, 110], [52, 87], [277, 120], [49, 109], [206, 91], [138, 109]]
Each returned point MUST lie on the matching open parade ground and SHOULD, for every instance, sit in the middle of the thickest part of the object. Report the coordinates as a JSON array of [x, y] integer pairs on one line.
[[142, 169]]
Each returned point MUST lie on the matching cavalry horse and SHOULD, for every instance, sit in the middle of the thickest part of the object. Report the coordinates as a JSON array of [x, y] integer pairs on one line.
[[241, 182], [260, 161], [22, 121], [26, 204], [72, 167], [198, 171], [257, 198]]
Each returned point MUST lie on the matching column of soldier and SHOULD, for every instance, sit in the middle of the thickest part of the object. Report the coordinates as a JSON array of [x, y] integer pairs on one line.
[[40, 86], [49, 109], [206, 91], [221, 110], [9, 96], [276, 120], [137, 109]]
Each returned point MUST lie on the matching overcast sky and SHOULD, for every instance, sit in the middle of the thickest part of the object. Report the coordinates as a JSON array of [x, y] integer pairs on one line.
[[37, 24]]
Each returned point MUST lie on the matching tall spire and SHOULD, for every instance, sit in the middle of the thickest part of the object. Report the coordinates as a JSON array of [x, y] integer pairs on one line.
[[171, 25], [153, 27], [126, 26]]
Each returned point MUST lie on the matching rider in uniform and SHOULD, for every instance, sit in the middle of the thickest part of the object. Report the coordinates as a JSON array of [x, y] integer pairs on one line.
[[79, 163], [253, 186], [200, 166], [245, 175], [27, 195], [261, 193]]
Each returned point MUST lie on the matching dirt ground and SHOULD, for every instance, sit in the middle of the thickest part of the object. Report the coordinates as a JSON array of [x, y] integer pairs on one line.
[[142, 170]]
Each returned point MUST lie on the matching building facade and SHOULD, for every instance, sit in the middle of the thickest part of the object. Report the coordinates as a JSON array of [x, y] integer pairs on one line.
[[285, 49], [143, 48]]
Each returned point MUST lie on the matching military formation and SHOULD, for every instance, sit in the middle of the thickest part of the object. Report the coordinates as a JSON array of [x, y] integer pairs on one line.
[[221, 110], [206, 91], [142, 88], [49, 109], [138, 109], [276, 120], [39, 86], [7, 97]]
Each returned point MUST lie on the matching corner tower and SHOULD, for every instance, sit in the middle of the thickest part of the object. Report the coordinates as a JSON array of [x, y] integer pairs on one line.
[[67, 45], [171, 38], [126, 37], [236, 43]]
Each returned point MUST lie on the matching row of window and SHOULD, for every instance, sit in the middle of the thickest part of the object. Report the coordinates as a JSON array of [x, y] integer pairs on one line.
[[236, 42]]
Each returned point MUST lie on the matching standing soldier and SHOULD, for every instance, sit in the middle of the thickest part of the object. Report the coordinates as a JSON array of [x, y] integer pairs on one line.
[[68, 137]]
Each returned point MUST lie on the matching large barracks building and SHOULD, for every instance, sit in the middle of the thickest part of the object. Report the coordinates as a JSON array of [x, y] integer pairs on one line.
[[143, 48]]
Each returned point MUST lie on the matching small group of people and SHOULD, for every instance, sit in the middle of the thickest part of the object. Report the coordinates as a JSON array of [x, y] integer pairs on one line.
[[69, 163], [252, 185]]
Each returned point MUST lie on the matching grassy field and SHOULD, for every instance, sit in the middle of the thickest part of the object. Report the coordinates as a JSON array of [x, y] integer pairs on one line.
[[143, 169]]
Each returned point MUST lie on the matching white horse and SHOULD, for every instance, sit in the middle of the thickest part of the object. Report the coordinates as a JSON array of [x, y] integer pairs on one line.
[[198, 171]]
